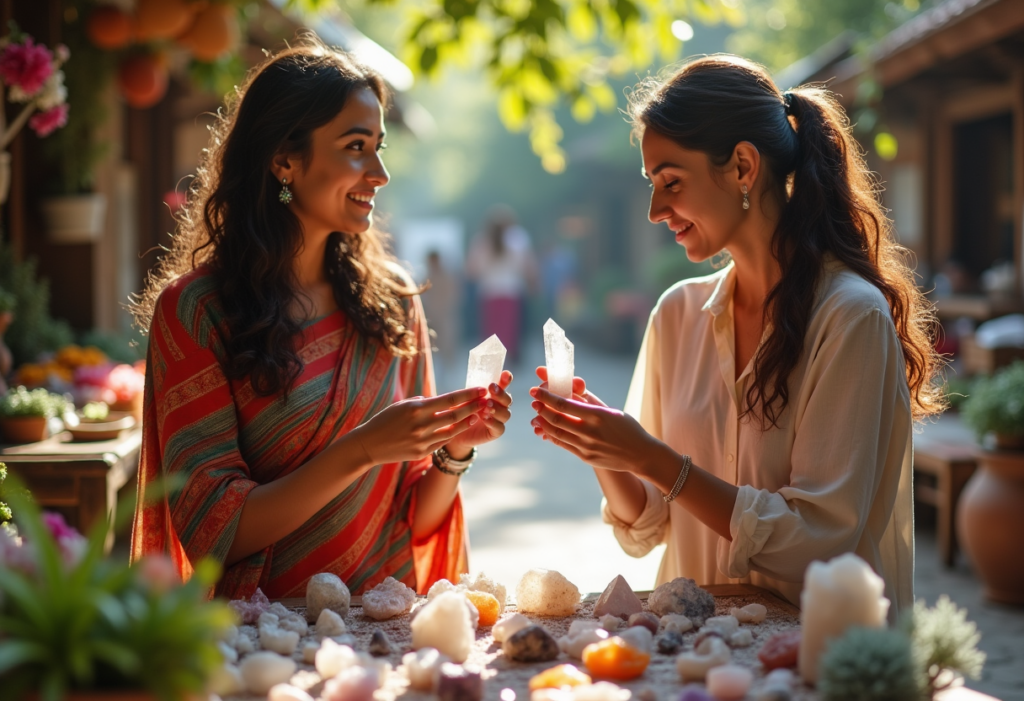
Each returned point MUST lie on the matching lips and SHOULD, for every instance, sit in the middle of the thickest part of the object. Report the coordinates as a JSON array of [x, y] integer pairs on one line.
[[363, 200], [682, 231]]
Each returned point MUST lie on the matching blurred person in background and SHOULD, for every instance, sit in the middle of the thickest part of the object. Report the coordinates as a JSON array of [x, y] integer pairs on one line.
[[769, 420], [502, 264], [441, 304], [289, 398]]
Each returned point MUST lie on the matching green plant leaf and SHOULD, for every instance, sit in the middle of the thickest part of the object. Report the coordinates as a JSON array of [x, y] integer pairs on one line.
[[18, 652]]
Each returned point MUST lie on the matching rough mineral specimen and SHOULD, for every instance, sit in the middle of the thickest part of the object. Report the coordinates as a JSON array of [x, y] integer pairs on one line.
[[328, 623], [485, 363], [309, 649], [673, 621], [278, 640], [287, 692], [670, 642], [645, 619], [729, 682], [710, 652], [388, 599], [725, 625], [458, 683], [440, 587], [262, 670], [288, 620], [486, 606], [751, 613], [531, 644], [226, 680], [638, 637], [485, 584], [331, 658], [508, 625], [546, 593], [741, 638], [445, 624], [247, 640], [581, 634], [781, 650], [250, 610], [423, 667], [326, 591], [559, 677], [615, 658], [379, 643], [617, 599], [610, 623], [683, 596], [229, 653], [352, 684], [558, 357], [601, 691]]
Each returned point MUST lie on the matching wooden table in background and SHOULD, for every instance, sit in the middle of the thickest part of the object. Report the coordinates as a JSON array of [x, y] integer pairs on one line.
[[79, 479]]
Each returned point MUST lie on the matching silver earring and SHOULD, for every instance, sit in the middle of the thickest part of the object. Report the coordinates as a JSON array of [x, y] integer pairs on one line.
[[746, 199], [285, 195]]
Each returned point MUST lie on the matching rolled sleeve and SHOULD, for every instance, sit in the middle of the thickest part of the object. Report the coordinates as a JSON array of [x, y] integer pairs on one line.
[[648, 531]]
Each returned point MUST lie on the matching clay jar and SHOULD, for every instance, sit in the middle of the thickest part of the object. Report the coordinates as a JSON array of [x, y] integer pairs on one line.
[[24, 429], [990, 524]]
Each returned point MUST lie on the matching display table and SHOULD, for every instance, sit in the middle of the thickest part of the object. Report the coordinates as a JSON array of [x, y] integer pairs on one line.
[[80, 479]]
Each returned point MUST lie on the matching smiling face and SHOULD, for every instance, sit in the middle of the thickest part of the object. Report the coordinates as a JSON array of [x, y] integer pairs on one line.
[[334, 189], [701, 207]]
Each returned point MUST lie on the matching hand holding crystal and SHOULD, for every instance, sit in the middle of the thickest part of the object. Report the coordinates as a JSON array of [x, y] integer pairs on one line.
[[597, 434], [413, 428], [494, 416]]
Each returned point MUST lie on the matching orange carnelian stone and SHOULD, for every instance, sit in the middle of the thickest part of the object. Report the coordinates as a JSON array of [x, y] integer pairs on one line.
[[558, 677], [614, 658], [487, 605]]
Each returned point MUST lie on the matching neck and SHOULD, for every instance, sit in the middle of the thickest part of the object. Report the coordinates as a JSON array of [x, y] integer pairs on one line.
[[309, 263], [757, 270]]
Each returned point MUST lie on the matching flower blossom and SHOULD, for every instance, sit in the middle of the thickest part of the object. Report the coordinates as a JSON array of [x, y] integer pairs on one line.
[[44, 123], [71, 543], [53, 93], [26, 67]]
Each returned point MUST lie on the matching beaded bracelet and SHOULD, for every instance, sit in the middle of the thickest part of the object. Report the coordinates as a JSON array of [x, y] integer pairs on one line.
[[677, 487], [444, 462]]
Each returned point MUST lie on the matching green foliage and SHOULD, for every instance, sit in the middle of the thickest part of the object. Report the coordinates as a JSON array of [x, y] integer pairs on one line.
[[219, 77], [96, 411], [869, 664], [20, 402], [76, 149], [5, 510], [997, 403], [945, 643], [7, 301], [958, 389], [540, 54], [100, 624], [33, 331]]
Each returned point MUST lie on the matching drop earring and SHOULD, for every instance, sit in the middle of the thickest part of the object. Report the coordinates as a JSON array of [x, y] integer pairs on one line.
[[285, 195], [746, 199]]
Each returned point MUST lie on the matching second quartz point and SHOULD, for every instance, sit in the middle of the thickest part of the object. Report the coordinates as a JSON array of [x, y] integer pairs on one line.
[[558, 355], [485, 363]]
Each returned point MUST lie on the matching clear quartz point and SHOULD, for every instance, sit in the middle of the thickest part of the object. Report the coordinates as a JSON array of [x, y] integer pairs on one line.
[[485, 363], [558, 354]]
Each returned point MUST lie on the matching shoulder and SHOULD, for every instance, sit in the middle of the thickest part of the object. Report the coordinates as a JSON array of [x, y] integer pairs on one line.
[[190, 305], [690, 296], [846, 297]]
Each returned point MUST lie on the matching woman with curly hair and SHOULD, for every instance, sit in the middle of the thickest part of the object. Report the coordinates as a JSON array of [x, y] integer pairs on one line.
[[769, 419], [289, 383]]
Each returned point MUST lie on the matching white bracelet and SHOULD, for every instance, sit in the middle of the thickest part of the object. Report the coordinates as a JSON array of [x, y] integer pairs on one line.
[[680, 480]]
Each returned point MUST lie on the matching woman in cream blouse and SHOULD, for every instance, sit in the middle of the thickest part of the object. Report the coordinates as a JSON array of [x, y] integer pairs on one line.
[[769, 419]]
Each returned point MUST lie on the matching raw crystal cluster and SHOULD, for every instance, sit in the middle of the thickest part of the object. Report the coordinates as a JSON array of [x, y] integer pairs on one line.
[[683, 596], [249, 611], [423, 667], [558, 357], [617, 599], [546, 593], [262, 670], [445, 624], [485, 363], [388, 599], [481, 582], [326, 591], [486, 605]]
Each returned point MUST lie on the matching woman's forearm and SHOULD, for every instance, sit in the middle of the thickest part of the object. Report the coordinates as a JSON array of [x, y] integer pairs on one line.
[[273, 510], [435, 494], [626, 495]]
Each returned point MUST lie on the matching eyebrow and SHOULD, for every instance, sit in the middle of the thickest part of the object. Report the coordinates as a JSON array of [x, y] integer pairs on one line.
[[360, 130], [662, 166]]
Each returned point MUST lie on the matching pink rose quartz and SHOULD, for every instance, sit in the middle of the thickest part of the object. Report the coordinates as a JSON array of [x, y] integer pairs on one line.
[[618, 599], [251, 610]]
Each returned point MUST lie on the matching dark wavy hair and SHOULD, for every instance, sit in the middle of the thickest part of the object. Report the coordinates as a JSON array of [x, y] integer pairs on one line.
[[234, 224], [830, 205]]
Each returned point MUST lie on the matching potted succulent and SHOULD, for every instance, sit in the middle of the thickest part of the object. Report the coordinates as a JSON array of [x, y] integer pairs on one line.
[[990, 517], [96, 422], [25, 414], [78, 625]]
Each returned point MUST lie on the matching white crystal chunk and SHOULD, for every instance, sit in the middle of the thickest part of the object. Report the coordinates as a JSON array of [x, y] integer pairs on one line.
[[485, 363], [558, 357]]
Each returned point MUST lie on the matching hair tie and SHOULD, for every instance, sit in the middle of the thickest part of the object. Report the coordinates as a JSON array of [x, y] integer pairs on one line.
[[787, 101]]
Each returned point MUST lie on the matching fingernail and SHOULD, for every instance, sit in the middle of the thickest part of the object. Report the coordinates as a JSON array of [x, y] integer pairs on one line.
[[495, 388], [490, 403], [537, 405], [533, 392], [473, 419]]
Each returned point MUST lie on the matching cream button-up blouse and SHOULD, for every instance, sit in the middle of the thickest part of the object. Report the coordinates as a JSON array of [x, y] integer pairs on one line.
[[833, 477]]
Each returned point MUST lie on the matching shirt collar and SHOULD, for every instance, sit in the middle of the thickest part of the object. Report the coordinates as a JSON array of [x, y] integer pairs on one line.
[[719, 300]]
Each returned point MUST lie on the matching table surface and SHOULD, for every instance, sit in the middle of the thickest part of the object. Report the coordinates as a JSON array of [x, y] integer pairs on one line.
[[61, 448]]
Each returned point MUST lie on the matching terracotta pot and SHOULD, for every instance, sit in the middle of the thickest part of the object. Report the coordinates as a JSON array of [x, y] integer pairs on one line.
[[24, 429], [990, 521], [74, 218], [109, 27]]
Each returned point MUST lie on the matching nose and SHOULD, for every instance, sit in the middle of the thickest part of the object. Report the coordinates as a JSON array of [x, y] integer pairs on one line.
[[377, 174], [659, 210]]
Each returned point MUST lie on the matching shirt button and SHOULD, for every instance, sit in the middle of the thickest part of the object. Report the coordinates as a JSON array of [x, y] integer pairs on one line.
[[730, 457]]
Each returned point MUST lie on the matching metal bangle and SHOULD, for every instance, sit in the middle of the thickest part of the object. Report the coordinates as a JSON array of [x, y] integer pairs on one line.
[[445, 463], [680, 480]]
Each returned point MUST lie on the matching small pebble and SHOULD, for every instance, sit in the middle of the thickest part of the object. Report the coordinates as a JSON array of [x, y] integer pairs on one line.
[[647, 694], [676, 622], [695, 694], [287, 692], [531, 644], [601, 691], [638, 637], [615, 658], [741, 638], [458, 683], [379, 643], [423, 667], [669, 643], [559, 677], [352, 684], [751, 613], [645, 619], [508, 625], [781, 650], [729, 682], [610, 623], [262, 670]]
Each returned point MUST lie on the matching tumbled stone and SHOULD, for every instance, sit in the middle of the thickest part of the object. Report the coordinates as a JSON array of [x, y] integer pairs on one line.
[[226, 680], [618, 600], [379, 643], [741, 638], [601, 691], [677, 623], [647, 694], [639, 637], [683, 596], [581, 634], [780, 650], [778, 685], [726, 625], [458, 683], [645, 619], [546, 593], [610, 623], [309, 649], [729, 682], [331, 658], [710, 652], [326, 591], [531, 644], [670, 642], [559, 677], [423, 668], [695, 694], [328, 623], [262, 670], [616, 658], [250, 610], [388, 599], [508, 625], [445, 624], [751, 613], [352, 684], [487, 585], [486, 606], [287, 692]]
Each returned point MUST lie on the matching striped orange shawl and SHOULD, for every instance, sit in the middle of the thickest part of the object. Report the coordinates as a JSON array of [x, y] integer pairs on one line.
[[220, 439]]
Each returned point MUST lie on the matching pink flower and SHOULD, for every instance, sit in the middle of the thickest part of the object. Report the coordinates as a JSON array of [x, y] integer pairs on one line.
[[44, 123], [26, 66], [71, 543], [126, 382], [157, 573]]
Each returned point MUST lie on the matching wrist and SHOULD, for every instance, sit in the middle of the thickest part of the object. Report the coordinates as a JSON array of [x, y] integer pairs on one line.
[[353, 446], [459, 452], [657, 462]]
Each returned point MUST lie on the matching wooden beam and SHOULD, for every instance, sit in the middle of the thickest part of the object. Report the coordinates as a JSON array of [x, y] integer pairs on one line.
[[1018, 175], [979, 103]]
